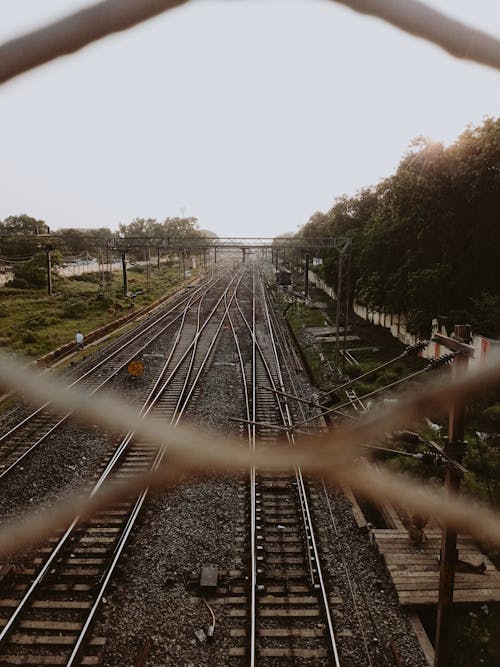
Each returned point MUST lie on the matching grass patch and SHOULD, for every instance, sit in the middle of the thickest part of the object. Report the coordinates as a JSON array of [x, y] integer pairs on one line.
[[301, 315], [33, 323]]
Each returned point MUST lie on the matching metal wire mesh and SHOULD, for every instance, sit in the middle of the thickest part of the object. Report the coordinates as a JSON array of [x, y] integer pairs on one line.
[[332, 457]]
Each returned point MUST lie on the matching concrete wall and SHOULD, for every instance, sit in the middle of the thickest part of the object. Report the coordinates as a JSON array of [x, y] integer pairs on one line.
[[484, 347]]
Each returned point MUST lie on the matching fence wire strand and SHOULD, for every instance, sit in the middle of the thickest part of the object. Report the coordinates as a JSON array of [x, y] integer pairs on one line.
[[334, 456], [420, 20], [77, 30]]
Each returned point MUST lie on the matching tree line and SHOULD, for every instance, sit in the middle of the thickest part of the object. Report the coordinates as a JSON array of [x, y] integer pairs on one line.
[[25, 239], [426, 240]]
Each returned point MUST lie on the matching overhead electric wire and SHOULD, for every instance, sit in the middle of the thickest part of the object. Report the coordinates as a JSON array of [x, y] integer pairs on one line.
[[21, 259], [434, 363], [398, 452], [410, 350]]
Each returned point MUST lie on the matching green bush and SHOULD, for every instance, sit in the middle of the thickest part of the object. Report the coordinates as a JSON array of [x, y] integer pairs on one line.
[[490, 417], [103, 300], [28, 337], [74, 308], [18, 283], [32, 273], [86, 278], [387, 377], [38, 322]]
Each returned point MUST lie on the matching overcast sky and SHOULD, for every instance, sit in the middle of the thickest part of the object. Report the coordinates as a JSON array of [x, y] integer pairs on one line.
[[249, 116]]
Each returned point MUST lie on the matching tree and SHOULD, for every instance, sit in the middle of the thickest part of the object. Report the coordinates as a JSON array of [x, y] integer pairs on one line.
[[425, 240], [23, 225], [18, 236]]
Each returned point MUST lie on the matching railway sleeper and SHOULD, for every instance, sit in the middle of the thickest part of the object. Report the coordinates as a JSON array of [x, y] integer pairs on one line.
[[39, 660], [61, 588], [52, 640], [293, 652], [50, 605]]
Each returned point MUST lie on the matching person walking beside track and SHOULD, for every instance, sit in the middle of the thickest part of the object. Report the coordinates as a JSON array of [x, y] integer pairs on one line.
[[79, 340]]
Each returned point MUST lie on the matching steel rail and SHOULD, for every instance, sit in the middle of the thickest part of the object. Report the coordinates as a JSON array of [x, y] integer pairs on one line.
[[251, 433], [149, 401], [308, 524], [209, 351], [26, 420], [69, 531], [178, 411], [189, 300], [351, 578], [251, 412], [63, 419], [253, 499], [159, 388], [314, 567], [48, 564]]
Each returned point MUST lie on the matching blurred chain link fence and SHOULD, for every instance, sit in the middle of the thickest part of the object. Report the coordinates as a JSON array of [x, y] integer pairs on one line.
[[332, 456]]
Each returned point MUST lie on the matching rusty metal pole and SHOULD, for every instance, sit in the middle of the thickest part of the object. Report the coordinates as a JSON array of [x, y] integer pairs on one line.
[[124, 269], [49, 272], [306, 277], [109, 275], [455, 449], [337, 318]]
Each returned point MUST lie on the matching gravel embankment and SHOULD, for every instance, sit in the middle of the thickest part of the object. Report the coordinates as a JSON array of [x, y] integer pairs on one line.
[[359, 579], [193, 525], [180, 531], [150, 605]]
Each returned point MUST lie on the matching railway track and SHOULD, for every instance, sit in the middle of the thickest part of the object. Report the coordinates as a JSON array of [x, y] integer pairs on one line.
[[288, 607], [22, 439], [47, 610], [48, 607]]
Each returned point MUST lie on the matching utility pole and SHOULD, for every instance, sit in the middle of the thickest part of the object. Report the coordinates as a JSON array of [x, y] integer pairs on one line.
[[243, 249], [454, 451], [109, 276], [101, 266], [48, 250], [343, 248], [158, 258], [306, 277], [148, 261], [124, 269]]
